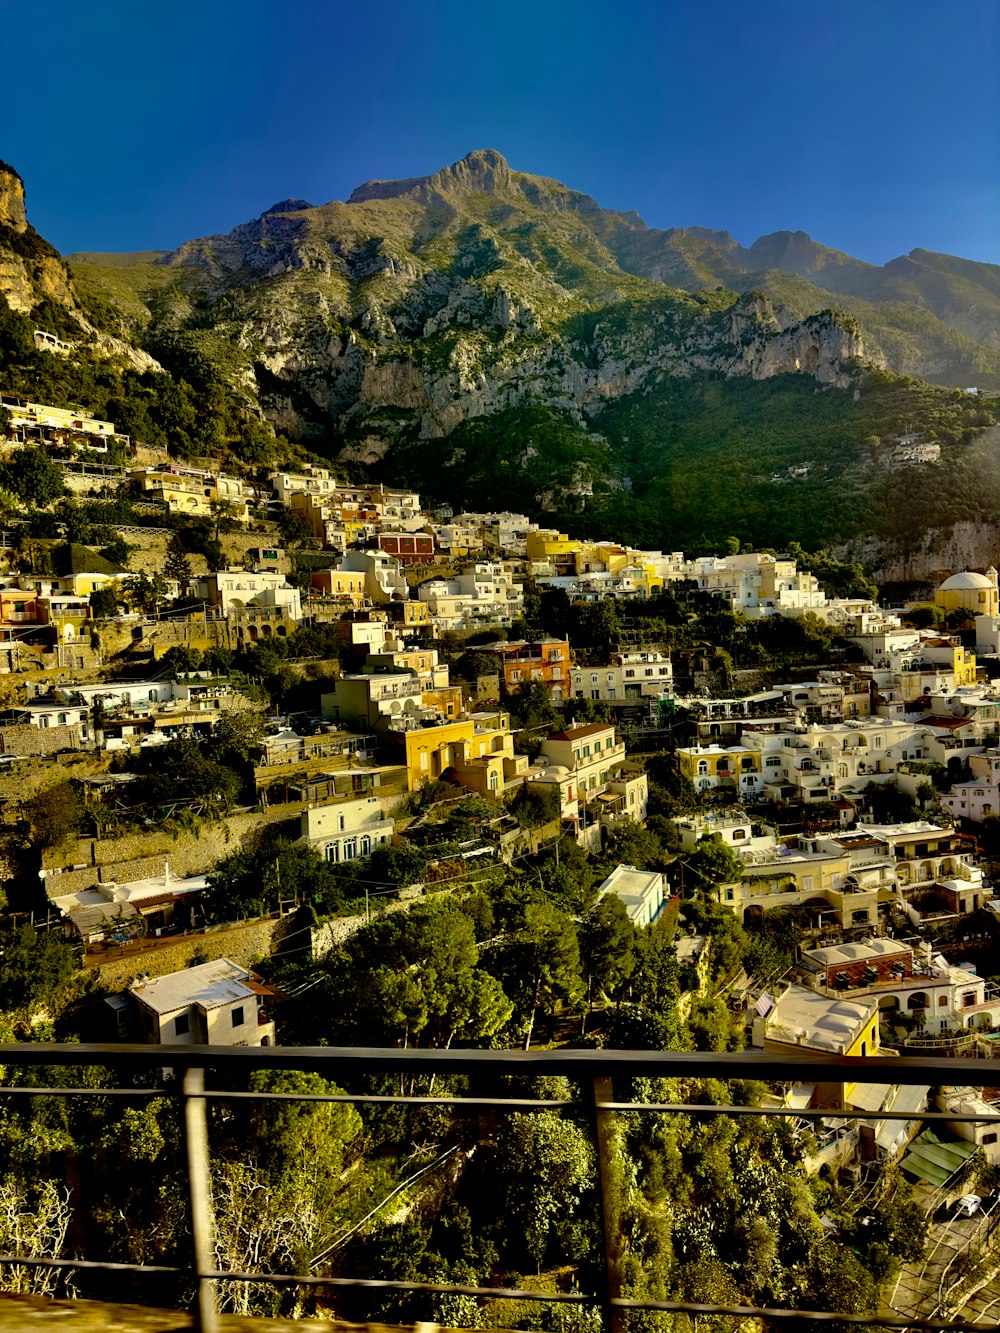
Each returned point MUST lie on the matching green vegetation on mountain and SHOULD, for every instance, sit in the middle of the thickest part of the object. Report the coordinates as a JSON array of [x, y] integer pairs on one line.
[[496, 339]]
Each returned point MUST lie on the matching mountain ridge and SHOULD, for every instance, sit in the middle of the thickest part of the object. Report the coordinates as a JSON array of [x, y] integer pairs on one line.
[[397, 333]]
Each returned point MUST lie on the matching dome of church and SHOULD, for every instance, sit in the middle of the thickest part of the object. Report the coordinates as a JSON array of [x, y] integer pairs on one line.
[[966, 580]]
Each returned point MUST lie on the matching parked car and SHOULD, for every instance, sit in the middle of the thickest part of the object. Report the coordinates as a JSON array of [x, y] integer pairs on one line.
[[967, 1205]]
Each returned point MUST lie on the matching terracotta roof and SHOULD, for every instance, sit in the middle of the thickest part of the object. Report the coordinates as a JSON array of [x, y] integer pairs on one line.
[[948, 723]]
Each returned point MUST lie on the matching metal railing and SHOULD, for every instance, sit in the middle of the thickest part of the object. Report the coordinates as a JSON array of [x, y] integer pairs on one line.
[[595, 1073]]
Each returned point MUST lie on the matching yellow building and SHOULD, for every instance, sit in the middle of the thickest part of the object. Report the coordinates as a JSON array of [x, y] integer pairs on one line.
[[736, 766], [563, 554], [480, 750], [192, 490], [974, 593]]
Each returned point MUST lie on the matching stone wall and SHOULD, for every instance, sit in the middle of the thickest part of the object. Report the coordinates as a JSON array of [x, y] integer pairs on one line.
[[138, 855], [244, 944], [38, 740]]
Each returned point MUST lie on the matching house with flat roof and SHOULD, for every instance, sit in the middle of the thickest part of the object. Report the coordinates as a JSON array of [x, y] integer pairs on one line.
[[801, 1019], [214, 1004], [642, 892]]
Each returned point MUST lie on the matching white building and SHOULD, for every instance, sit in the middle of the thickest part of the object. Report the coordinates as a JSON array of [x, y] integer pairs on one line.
[[160, 900], [641, 892], [313, 481], [346, 829], [629, 678], [486, 594], [915, 982], [235, 589], [384, 580], [376, 700], [214, 1004]]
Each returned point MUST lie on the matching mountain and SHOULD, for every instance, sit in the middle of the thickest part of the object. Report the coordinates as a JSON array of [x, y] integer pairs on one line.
[[482, 333]]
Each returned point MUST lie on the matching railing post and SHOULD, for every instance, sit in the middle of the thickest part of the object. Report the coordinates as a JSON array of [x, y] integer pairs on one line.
[[609, 1221], [200, 1196]]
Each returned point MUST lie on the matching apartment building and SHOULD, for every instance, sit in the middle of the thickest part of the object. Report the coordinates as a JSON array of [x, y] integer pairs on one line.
[[629, 677]]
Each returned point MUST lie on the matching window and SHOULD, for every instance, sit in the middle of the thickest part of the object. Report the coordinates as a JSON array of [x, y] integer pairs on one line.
[[238, 1017], [182, 1025], [593, 679], [968, 999], [990, 1138], [595, 694], [611, 691], [942, 1002]]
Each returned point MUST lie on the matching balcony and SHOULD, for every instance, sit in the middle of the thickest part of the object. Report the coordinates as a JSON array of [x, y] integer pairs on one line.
[[210, 1080]]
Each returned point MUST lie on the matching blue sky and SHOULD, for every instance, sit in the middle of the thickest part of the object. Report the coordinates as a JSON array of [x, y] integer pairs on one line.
[[872, 124]]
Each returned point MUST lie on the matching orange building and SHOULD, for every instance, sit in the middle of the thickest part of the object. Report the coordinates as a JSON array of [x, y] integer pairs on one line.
[[548, 660]]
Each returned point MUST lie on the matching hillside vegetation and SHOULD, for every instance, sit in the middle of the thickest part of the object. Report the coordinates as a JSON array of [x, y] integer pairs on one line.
[[497, 339]]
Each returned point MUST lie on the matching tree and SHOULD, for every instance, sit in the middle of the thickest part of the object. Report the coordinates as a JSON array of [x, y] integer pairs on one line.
[[17, 343], [34, 968], [401, 866], [178, 564], [145, 592], [34, 1222], [10, 503], [599, 626], [551, 961], [531, 705], [236, 735], [535, 804], [104, 603], [32, 476], [117, 551], [224, 514], [713, 862], [543, 1167], [53, 814], [185, 771], [415, 979], [607, 946], [629, 843]]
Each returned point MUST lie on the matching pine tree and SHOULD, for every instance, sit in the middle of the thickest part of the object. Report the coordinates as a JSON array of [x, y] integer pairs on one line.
[[178, 565]]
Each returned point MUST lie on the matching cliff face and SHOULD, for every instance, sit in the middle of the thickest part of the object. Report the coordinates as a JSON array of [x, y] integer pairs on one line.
[[12, 210], [461, 294], [30, 269]]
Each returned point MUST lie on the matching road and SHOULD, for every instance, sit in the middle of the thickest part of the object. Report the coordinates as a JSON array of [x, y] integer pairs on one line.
[[922, 1285]]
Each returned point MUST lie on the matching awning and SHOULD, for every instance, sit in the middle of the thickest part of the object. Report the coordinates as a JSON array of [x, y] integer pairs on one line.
[[935, 1160]]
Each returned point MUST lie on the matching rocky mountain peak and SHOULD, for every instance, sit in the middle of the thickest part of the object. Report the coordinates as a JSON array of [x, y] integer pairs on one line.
[[12, 211], [287, 206], [483, 171]]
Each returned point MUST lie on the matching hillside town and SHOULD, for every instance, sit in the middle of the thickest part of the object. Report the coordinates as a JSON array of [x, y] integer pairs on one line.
[[281, 708]]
